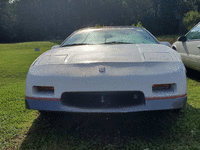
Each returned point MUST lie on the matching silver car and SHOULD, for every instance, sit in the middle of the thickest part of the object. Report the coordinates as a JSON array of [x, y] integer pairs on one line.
[[189, 48], [107, 70]]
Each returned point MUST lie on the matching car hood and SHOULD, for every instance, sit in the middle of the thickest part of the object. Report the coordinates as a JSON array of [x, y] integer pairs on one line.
[[107, 53]]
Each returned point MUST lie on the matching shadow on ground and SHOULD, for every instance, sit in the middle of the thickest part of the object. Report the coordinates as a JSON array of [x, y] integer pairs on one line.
[[70, 130], [193, 74], [106, 128]]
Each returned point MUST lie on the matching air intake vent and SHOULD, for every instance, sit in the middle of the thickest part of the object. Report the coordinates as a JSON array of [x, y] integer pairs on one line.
[[112, 99]]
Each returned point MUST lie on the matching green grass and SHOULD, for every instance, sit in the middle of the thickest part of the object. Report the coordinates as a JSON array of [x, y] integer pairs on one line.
[[14, 64], [27, 129]]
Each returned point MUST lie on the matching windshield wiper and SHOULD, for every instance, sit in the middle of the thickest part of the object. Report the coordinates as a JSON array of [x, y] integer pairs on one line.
[[115, 42], [75, 44]]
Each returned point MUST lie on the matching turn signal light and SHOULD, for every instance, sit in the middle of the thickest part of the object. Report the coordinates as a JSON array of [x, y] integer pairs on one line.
[[44, 88], [161, 87]]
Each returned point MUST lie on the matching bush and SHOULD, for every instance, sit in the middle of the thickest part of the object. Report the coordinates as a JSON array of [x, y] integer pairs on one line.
[[97, 25], [191, 19], [139, 24]]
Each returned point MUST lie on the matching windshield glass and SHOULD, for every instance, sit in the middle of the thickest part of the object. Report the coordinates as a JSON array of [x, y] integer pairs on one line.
[[194, 33], [110, 36]]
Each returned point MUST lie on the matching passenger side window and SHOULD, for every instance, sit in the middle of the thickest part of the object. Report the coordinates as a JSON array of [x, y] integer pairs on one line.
[[194, 33]]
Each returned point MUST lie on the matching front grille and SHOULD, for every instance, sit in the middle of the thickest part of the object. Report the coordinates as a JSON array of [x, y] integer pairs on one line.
[[103, 99]]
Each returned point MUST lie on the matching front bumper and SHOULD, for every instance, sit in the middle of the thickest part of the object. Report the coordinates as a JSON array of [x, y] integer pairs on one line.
[[156, 103]]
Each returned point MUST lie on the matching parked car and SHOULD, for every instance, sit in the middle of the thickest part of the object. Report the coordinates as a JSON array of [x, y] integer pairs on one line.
[[107, 70], [189, 48]]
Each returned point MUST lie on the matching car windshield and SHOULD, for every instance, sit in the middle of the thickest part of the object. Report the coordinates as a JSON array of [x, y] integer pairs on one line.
[[110, 36], [194, 33]]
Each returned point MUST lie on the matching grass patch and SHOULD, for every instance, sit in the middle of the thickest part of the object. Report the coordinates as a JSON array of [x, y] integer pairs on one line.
[[27, 129], [14, 64]]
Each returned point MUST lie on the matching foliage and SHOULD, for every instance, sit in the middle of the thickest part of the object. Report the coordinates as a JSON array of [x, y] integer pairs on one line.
[[97, 26], [167, 16], [193, 3], [191, 19], [7, 21], [133, 25], [28, 20], [139, 24]]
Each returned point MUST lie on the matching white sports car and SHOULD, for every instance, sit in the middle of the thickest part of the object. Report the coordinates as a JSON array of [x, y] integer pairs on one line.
[[189, 48], [107, 70]]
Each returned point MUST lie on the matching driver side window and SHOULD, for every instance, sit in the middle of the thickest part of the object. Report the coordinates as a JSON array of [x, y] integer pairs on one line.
[[194, 33]]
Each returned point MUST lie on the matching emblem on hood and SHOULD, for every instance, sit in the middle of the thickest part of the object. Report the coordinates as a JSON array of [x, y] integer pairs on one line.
[[102, 69]]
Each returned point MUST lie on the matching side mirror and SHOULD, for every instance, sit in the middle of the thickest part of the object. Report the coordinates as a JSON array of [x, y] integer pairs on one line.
[[182, 38], [55, 46]]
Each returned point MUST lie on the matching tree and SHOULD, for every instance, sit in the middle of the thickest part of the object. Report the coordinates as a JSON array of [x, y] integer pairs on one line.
[[167, 16], [197, 3], [192, 3], [7, 21], [191, 19], [48, 19]]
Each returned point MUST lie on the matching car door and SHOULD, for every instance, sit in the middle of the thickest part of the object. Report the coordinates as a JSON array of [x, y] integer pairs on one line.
[[190, 49], [192, 45]]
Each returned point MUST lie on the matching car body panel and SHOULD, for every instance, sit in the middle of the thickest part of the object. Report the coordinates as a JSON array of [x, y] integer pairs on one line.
[[165, 43], [104, 70], [150, 105], [190, 49], [107, 53]]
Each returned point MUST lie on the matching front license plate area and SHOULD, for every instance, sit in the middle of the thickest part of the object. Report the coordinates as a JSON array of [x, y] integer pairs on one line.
[[103, 99]]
